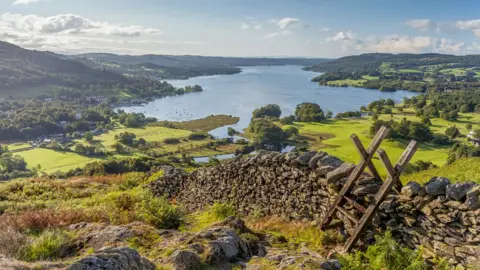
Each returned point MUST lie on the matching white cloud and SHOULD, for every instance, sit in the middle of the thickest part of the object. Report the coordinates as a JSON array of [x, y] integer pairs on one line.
[[424, 24], [69, 33], [277, 34], [244, 26], [402, 44], [325, 29], [251, 23], [472, 25], [342, 36], [24, 2], [286, 23], [450, 46], [70, 24]]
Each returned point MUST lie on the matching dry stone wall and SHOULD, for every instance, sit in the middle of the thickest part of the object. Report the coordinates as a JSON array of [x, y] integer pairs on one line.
[[442, 217]]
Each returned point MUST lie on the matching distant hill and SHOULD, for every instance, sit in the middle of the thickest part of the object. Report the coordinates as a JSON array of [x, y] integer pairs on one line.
[[20, 68], [183, 61], [373, 61]]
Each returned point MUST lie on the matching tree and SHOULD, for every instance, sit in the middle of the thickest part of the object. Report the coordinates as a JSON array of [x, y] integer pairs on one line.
[[291, 131], [452, 132], [287, 120], [420, 132], [88, 136], [464, 108], [329, 115], [468, 126], [309, 112], [387, 110], [80, 148], [270, 110], [264, 131], [126, 138], [12, 163], [390, 102]]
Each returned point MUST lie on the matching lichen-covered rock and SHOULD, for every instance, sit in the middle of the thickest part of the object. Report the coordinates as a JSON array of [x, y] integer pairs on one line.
[[437, 186], [185, 260], [459, 191], [473, 198], [305, 158], [411, 189], [343, 171], [113, 259], [329, 160]]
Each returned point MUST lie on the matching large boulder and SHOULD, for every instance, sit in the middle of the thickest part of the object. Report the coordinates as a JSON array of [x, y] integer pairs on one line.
[[114, 259], [329, 160], [343, 171], [411, 189], [305, 158], [437, 186], [185, 260], [313, 163], [473, 198], [459, 191]]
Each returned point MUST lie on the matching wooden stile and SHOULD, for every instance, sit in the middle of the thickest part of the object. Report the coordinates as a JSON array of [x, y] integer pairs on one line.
[[393, 180]]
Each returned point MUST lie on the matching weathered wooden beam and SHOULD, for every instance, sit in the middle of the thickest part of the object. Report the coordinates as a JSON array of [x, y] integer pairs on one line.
[[347, 214], [374, 145], [363, 153], [384, 189], [358, 206]]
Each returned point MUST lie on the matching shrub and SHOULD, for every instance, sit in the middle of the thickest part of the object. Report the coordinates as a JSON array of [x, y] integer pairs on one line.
[[46, 246], [270, 110], [171, 141], [158, 212], [222, 211], [386, 253], [197, 136], [309, 112], [287, 120]]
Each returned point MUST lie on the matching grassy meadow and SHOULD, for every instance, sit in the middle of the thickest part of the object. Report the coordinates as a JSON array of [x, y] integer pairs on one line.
[[333, 136]]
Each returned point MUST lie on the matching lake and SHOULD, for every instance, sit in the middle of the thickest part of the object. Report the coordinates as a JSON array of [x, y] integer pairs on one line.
[[240, 94]]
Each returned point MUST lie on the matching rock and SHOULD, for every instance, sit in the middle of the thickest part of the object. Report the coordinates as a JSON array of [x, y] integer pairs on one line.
[[473, 198], [437, 186], [313, 163], [331, 265], [329, 160], [305, 158], [113, 259], [324, 170], [343, 171], [185, 260], [459, 191], [411, 189]]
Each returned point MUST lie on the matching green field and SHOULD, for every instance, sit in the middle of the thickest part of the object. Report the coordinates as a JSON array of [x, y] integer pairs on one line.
[[52, 161], [409, 71], [346, 82], [149, 133], [333, 136], [17, 146], [460, 171]]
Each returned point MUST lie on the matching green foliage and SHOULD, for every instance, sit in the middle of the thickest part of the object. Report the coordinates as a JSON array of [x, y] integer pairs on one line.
[[287, 120], [198, 136], [159, 212], [405, 129], [47, 246], [270, 110], [386, 253], [265, 131], [88, 136], [222, 210], [291, 131], [452, 132], [419, 166], [309, 112]]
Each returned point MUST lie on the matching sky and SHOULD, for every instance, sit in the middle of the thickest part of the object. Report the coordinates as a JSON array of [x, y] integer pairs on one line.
[[247, 28]]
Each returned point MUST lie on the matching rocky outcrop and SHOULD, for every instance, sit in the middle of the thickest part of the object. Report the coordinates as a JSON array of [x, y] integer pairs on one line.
[[114, 259], [443, 217]]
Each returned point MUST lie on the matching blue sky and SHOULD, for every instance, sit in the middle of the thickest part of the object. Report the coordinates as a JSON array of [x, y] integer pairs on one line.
[[315, 28]]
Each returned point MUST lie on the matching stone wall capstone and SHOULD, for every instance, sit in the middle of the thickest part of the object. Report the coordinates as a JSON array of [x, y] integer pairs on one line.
[[442, 217]]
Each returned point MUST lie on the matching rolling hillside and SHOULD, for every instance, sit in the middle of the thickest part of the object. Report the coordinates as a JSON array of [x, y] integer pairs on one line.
[[21, 68]]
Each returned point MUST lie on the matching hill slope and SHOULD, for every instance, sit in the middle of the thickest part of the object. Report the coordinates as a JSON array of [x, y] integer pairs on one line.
[[21, 68]]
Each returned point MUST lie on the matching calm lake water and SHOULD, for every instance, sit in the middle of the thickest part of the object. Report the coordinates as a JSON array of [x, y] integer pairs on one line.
[[240, 94]]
